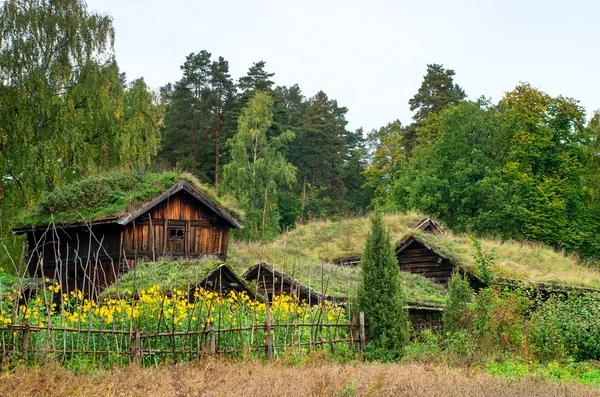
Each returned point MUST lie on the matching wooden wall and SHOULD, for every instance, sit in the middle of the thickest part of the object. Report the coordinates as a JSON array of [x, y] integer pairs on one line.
[[179, 227], [75, 257], [418, 259]]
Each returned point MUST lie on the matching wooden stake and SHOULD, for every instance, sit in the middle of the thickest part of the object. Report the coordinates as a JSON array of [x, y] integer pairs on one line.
[[361, 330], [268, 332]]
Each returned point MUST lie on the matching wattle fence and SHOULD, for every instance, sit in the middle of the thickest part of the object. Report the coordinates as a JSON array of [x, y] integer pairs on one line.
[[22, 343]]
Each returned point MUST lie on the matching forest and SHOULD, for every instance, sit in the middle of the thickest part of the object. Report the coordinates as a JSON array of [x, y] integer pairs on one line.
[[526, 167]]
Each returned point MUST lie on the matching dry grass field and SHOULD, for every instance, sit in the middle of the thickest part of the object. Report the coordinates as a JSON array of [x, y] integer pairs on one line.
[[222, 378]]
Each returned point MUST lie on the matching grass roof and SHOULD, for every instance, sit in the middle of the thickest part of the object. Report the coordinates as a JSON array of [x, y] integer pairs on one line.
[[181, 275], [107, 196], [307, 252]]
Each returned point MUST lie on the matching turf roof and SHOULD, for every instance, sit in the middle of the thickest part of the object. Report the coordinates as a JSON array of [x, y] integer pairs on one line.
[[303, 250], [182, 275], [108, 196]]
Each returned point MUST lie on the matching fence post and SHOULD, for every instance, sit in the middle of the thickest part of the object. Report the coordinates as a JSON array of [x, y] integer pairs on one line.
[[25, 339], [361, 330], [268, 332], [213, 339], [138, 347]]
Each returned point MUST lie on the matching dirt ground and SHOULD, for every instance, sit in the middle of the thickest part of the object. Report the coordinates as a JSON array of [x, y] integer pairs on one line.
[[223, 378]]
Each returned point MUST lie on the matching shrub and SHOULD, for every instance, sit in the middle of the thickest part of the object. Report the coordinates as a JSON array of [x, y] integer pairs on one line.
[[500, 320], [567, 325], [457, 314], [380, 294]]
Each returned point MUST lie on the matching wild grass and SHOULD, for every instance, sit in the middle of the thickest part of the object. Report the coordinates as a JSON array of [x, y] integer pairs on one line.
[[306, 253], [182, 275], [527, 261], [308, 250], [315, 377]]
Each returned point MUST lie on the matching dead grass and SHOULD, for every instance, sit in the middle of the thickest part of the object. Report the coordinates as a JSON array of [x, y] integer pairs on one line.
[[307, 247], [526, 261], [223, 378]]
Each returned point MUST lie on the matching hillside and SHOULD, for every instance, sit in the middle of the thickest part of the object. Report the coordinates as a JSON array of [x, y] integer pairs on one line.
[[307, 252]]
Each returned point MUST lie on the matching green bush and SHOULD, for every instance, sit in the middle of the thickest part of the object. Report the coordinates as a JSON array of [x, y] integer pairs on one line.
[[380, 295], [567, 326], [500, 322], [457, 313]]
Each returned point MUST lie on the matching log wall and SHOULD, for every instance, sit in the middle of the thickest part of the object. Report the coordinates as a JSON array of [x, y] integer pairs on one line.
[[418, 259], [178, 227]]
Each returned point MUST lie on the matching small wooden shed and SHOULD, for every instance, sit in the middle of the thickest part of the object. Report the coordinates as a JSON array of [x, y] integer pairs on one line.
[[428, 225], [271, 281], [178, 221], [415, 255]]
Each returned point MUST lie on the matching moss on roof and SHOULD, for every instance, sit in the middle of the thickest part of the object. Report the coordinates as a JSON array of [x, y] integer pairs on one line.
[[107, 196], [302, 251], [169, 275]]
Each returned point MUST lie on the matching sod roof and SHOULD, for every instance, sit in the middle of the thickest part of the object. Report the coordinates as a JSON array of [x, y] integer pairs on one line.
[[310, 250], [110, 197], [169, 275]]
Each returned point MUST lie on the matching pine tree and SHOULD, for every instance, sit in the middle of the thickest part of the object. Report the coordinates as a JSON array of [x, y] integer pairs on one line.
[[455, 316], [437, 91], [380, 294]]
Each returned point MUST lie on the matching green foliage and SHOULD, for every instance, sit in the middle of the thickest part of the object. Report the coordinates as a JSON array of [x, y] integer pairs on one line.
[[199, 116], [437, 92], [183, 275], [584, 373], [424, 345], [109, 194], [456, 165], [380, 295], [457, 314], [258, 168], [500, 324], [387, 147], [65, 108], [485, 261], [567, 326]]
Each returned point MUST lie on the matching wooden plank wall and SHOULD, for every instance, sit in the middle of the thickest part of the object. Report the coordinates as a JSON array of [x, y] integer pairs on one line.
[[418, 259], [78, 259], [180, 226]]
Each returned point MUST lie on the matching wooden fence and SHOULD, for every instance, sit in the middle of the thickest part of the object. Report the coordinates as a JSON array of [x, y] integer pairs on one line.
[[22, 342]]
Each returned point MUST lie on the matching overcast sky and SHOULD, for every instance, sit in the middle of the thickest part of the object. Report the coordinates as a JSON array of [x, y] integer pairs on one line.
[[370, 55]]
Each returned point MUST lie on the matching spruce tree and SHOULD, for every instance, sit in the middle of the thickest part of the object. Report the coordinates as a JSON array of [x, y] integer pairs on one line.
[[380, 294], [455, 316]]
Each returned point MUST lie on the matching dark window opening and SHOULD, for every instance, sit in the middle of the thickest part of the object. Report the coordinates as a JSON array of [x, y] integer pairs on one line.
[[175, 233]]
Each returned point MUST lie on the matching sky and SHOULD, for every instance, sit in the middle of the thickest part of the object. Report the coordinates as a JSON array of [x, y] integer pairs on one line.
[[369, 55]]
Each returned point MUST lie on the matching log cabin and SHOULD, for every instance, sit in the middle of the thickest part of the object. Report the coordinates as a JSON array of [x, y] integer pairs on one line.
[[271, 282], [171, 218], [415, 255]]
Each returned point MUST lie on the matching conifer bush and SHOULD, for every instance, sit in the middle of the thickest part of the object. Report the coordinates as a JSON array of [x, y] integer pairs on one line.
[[457, 315], [380, 295]]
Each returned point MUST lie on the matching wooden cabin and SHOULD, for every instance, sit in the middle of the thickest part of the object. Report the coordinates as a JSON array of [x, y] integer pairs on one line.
[[416, 256], [428, 225], [271, 281], [177, 222], [222, 280]]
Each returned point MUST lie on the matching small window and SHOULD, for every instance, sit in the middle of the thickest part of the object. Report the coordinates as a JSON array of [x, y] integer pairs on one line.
[[175, 232]]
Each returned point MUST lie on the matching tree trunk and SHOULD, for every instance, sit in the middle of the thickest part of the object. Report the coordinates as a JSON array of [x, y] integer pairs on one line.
[[303, 198]]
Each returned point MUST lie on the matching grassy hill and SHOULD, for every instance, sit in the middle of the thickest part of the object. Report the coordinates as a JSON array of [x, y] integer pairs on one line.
[[308, 250]]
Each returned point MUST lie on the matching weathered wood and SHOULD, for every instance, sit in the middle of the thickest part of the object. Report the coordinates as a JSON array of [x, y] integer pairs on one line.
[[25, 335], [213, 339], [268, 331], [361, 331], [138, 347]]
